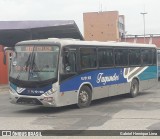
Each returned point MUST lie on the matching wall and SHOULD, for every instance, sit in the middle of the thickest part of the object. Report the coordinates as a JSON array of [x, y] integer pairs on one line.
[[3, 68], [148, 40], [101, 26]]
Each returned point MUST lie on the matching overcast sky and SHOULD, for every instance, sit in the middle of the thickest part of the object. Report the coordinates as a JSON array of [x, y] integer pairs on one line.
[[74, 9]]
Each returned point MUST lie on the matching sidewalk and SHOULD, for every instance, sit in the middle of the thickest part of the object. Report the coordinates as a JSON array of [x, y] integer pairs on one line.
[[4, 87]]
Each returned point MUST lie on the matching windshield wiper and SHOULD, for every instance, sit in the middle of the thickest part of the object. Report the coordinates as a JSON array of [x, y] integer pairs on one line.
[[33, 65]]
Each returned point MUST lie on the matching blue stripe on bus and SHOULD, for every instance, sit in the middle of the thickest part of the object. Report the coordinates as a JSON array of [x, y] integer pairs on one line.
[[96, 78], [104, 77]]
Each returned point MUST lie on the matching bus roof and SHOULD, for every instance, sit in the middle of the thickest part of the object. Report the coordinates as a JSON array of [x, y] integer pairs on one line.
[[68, 41]]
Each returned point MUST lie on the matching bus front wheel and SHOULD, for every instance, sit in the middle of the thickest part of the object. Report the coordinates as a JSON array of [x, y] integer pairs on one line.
[[134, 88], [84, 97]]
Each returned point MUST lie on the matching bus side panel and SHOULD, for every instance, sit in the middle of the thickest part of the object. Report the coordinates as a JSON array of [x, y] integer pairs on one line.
[[148, 78], [124, 88], [102, 81], [147, 84], [159, 72], [100, 92], [110, 90], [67, 98], [107, 82]]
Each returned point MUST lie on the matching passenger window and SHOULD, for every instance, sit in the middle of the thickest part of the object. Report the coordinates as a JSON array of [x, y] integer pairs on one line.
[[146, 55], [88, 58], [154, 56], [121, 57], [105, 57], [134, 57]]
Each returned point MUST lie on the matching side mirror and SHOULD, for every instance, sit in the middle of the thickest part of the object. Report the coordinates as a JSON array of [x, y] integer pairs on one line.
[[68, 68], [4, 53], [10, 56]]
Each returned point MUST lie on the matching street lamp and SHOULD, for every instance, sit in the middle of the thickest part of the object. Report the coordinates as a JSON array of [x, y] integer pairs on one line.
[[144, 13], [125, 33]]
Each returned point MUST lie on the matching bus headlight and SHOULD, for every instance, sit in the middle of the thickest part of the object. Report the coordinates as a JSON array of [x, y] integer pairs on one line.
[[49, 99], [53, 90], [50, 92]]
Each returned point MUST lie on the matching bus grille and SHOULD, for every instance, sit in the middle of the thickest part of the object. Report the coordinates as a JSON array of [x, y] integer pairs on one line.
[[32, 101]]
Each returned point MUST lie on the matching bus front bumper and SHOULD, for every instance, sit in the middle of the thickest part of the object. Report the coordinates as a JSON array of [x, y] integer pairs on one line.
[[46, 101]]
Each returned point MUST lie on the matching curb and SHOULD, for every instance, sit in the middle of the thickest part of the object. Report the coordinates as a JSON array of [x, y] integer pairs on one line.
[[4, 87]]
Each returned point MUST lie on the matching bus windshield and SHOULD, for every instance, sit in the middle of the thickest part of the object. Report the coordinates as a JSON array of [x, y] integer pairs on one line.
[[34, 63]]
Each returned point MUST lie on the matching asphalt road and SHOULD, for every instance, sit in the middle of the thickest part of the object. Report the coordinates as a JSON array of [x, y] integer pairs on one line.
[[119, 112]]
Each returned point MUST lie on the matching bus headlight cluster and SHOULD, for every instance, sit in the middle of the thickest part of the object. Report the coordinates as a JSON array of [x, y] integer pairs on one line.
[[49, 99], [50, 92]]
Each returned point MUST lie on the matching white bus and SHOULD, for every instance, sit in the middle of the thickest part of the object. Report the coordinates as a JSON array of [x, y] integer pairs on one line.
[[158, 56], [58, 72]]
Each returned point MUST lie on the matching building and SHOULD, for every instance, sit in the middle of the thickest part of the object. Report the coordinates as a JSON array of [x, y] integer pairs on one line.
[[149, 39], [103, 26], [3, 68]]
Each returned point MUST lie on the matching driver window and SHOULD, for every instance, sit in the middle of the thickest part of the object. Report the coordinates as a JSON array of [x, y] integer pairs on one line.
[[70, 62]]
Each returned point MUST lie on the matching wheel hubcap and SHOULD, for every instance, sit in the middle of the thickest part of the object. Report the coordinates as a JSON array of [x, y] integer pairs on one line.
[[83, 96]]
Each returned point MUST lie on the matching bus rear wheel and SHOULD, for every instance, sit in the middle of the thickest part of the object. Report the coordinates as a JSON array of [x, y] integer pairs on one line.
[[134, 88], [84, 97]]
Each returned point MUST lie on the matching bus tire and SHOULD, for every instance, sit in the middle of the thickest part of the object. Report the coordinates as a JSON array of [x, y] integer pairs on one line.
[[84, 97], [134, 88]]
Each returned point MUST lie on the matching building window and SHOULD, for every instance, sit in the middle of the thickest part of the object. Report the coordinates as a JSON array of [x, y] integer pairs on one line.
[[121, 26]]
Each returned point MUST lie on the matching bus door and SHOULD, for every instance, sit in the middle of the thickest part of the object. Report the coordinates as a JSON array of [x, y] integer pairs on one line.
[[70, 61], [66, 77], [69, 64]]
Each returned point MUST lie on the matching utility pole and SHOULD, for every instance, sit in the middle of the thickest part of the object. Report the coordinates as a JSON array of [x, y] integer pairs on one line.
[[144, 13]]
